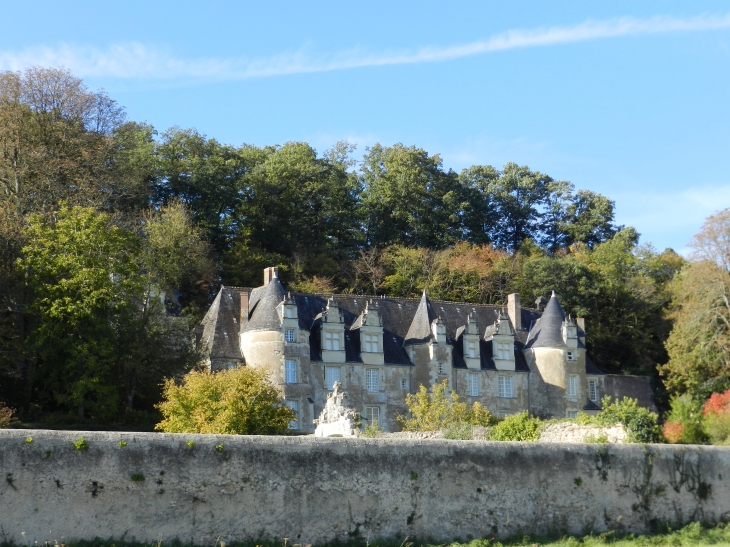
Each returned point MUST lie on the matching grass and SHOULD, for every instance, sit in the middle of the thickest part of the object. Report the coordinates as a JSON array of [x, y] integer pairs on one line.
[[691, 535]]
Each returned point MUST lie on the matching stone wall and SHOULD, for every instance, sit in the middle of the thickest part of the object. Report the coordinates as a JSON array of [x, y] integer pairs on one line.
[[199, 488]]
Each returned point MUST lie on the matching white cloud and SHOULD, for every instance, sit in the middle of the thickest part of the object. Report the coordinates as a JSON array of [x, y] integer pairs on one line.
[[136, 60]]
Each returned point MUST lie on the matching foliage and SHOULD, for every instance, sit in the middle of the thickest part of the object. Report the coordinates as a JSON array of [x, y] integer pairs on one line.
[[684, 422], [239, 400], [517, 427], [459, 432], [699, 361], [83, 276], [716, 413], [434, 411], [639, 422], [372, 430], [6, 416], [81, 444]]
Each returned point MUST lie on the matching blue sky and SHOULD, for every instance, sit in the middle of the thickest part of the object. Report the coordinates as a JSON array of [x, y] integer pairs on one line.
[[623, 98]]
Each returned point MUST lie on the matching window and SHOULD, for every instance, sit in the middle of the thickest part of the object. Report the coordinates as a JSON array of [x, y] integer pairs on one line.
[[372, 379], [571, 356], [332, 341], [289, 313], [441, 369], [290, 371], [592, 390], [572, 387], [473, 384], [289, 335], [331, 375], [372, 415], [471, 350], [294, 405], [505, 386], [404, 383], [371, 343], [503, 351], [572, 414]]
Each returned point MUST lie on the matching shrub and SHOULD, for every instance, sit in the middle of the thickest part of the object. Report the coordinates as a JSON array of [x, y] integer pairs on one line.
[[459, 432], [372, 430], [640, 423], [6, 416], [434, 411], [517, 427], [716, 417], [239, 400], [684, 421], [81, 444]]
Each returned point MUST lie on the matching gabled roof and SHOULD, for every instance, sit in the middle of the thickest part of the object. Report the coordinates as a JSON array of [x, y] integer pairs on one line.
[[548, 330], [263, 314], [220, 325], [420, 330]]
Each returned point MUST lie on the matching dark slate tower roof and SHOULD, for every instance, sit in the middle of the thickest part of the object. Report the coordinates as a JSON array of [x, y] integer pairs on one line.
[[420, 329], [263, 314], [220, 326], [548, 330]]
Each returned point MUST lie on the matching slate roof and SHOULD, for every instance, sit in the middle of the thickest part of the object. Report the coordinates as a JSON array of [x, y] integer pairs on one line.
[[262, 313], [420, 330], [404, 321], [548, 330], [220, 325]]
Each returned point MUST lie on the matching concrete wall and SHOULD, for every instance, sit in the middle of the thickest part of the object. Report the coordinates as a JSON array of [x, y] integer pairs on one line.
[[314, 490]]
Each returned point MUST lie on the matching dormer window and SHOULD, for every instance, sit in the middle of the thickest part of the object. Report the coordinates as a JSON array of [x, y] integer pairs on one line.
[[371, 343], [503, 351], [289, 335], [332, 341], [288, 313], [471, 350]]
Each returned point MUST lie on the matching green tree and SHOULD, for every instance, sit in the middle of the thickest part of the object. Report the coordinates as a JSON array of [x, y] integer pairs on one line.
[[408, 199], [84, 276], [434, 411], [239, 401]]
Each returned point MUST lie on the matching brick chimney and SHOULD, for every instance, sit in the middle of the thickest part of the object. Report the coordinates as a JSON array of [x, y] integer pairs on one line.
[[269, 274], [514, 310]]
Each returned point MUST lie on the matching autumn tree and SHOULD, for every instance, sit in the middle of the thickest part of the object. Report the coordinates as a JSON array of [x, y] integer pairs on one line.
[[699, 343]]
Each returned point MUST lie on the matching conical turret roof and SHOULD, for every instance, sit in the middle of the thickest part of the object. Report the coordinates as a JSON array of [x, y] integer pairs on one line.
[[420, 329], [264, 315], [548, 331]]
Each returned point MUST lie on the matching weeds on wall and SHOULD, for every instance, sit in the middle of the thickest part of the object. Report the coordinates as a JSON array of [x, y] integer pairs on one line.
[[81, 444]]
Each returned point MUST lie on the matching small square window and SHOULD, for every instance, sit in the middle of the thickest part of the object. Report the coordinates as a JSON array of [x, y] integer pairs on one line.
[[571, 356], [572, 414], [471, 350], [371, 343], [442, 369], [404, 383], [289, 335], [332, 341]]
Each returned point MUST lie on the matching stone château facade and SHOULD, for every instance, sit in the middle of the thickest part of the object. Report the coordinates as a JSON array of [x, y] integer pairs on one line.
[[381, 349]]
